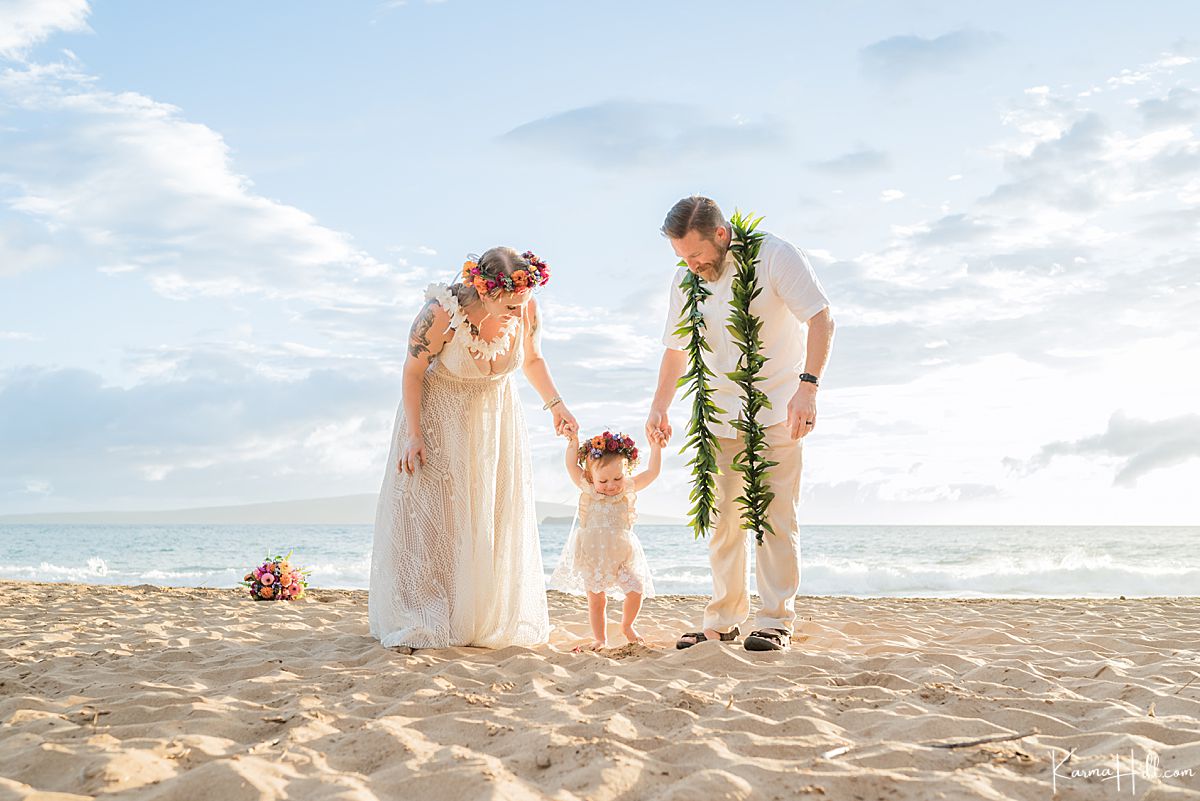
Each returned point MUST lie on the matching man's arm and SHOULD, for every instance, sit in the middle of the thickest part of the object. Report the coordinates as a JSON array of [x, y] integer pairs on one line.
[[820, 342], [673, 364], [802, 408]]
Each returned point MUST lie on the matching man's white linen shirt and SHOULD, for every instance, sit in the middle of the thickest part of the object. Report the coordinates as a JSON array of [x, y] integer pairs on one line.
[[791, 295]]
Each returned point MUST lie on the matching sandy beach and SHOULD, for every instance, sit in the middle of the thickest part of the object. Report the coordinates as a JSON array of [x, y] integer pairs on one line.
[[154, 693]]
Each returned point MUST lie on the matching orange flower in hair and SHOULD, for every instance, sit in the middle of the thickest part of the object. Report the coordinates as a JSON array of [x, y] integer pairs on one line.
[[520, 278], [468, 267], [481, 285]]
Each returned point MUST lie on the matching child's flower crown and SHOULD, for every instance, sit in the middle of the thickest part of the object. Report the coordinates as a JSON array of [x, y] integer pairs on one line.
[[606, 443], [535, 274]]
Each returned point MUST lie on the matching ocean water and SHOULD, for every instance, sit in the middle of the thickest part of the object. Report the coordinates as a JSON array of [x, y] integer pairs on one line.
[[932, 561]]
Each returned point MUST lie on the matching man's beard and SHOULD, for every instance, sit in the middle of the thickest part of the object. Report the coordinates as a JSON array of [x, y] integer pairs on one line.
[[717, 267]]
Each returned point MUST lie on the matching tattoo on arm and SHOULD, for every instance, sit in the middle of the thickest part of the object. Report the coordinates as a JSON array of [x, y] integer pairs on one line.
[[418, 338]]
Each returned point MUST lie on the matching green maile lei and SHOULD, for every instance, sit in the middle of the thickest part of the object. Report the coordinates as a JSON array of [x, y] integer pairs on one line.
[[746, 330]]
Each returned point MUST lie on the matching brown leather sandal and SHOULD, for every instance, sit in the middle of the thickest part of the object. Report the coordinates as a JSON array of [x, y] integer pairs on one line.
[[768, 640], [699, 637]]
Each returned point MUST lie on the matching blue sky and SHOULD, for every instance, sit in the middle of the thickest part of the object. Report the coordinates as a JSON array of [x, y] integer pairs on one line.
[[216, 221]]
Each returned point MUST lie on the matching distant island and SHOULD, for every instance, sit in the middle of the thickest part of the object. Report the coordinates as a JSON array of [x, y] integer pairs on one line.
[[341, 510]]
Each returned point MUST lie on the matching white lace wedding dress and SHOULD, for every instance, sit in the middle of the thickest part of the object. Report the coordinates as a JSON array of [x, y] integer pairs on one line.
[[456, 558]]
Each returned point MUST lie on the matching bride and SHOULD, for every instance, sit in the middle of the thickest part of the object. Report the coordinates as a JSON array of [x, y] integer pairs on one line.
[[456, 558]]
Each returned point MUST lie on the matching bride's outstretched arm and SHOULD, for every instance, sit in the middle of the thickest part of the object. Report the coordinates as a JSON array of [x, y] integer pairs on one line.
[[538, 372]]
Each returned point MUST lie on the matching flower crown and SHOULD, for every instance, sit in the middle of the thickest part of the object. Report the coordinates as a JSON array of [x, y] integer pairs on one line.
[[606, 443], [535, 274]]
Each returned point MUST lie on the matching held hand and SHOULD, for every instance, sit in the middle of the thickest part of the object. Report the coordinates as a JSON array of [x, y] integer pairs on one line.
[[658, 429], [413, 455], [564, 421], [802, 411]]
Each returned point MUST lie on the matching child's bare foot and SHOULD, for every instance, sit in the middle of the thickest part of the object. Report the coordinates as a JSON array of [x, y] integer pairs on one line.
[[632, 636], [594, 645]]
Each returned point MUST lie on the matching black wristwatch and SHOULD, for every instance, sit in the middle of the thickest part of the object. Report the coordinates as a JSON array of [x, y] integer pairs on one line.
[[810, 378]]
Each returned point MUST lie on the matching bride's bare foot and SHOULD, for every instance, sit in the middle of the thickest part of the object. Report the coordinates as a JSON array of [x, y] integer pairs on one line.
[[632, 636], [594, 645]]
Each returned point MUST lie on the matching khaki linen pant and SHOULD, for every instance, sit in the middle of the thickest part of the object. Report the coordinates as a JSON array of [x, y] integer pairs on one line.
[[777, 560]]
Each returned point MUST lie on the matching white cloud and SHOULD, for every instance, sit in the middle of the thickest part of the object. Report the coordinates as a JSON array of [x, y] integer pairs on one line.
[[860, 161], [120, 179], [1083, 263], [1138, 446], [631, 133], [1179, 105], [25, 23], [36, 487], [1169, 62], [901, 57], [205, 428], [890, 195]]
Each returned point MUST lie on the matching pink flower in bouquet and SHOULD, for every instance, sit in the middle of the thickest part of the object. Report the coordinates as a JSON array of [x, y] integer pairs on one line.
[[268, 578]]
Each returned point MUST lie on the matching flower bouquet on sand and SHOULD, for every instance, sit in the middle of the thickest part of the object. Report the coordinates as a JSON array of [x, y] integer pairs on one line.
[[276, 579]]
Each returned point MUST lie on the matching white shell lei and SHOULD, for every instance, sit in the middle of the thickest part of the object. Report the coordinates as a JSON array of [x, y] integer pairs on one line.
[[484, 350]]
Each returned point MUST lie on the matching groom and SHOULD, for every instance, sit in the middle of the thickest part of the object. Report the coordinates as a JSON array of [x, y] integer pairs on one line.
[[791, 305]]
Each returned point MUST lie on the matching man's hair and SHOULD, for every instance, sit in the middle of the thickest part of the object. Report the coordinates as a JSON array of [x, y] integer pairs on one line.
[[695, 213]]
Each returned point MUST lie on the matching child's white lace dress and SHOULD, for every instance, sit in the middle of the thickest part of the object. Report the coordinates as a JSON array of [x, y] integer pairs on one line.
[[602, 553]]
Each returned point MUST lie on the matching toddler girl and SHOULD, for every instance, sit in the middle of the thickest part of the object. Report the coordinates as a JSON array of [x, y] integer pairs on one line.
[[602, 554]]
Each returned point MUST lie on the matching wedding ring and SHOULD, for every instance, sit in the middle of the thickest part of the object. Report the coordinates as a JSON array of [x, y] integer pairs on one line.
[[808, 422]]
